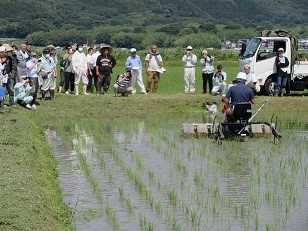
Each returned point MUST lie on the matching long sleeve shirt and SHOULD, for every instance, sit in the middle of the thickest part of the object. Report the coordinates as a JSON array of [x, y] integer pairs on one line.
[[79, 62], [133, 62], [207, 64], [189, 60]]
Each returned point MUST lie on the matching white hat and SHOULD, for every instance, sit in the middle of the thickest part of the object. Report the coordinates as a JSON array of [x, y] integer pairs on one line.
[[241, 75], [189, 48], [2, 48], [133, 50], [281, 49]]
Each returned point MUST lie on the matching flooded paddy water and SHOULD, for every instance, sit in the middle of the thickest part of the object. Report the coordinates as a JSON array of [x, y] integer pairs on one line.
[[145, 175]]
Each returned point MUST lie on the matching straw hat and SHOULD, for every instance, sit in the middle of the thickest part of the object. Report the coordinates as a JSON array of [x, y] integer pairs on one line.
[[7, 47], [107, 46]]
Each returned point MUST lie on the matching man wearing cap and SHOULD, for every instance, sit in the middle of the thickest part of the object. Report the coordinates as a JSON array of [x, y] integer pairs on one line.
[[32, 66], [46, 71], [153, 63], [207, 70], [123, 84], [189, 60], [104, 64], [22, 91], [133, 63], [239, 93], [80, 68], [22, 57], [281, 63], [251, 79]]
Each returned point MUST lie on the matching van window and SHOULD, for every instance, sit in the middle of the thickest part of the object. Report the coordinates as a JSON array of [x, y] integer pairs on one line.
[[269, 48]]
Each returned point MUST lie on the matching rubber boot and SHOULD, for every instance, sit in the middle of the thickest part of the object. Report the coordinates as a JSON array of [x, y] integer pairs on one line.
[[43, 95], [84, 90], [52, 94], [76, 89], [276, 92], [60, 89], [283, 92]]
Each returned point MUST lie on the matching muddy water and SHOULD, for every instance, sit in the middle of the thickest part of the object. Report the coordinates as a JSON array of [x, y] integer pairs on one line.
[[195, 184]]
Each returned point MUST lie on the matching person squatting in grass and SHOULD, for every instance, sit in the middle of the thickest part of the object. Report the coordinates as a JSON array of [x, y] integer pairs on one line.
[[207, 70], [80, 68], [104, 64], [22, 91], [32, 74], [281, 63], [69, 76], [46, 71], [133, 63], [189, 60], [123, 84], [219, 79], [153, 63]]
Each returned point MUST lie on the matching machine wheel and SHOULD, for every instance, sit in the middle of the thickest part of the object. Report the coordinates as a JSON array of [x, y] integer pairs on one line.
[[269, 86]]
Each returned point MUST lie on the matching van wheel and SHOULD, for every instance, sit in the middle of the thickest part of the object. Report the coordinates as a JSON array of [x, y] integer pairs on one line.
[[269, 86]]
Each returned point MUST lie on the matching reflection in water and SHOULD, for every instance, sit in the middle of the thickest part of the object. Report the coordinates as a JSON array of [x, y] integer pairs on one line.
[[195, 184]]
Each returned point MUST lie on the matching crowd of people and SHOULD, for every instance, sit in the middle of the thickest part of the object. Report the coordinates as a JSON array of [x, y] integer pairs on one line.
[[215, 80], [23, 74]]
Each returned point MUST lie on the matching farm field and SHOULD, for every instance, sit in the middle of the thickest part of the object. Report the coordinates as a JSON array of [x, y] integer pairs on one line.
[[122, 163]]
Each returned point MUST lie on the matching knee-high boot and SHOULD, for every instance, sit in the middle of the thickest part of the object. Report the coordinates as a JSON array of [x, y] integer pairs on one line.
[[43, 95], [76, 89], [52, 94]]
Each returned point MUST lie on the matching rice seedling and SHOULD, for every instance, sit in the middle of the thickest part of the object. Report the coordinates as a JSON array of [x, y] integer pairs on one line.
[[173, 197], [145, 225]]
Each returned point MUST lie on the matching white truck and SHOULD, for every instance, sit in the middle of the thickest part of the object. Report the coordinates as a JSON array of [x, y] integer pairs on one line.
[[260, 54]]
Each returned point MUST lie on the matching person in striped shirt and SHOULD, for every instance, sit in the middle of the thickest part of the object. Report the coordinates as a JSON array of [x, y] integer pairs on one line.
[[123, 84]]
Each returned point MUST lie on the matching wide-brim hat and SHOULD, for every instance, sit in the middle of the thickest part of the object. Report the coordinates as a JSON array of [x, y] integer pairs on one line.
[[7, 47], [107, 46], [51, 47]]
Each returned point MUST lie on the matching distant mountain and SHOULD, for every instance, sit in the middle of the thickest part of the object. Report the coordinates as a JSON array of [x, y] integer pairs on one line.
[[20, 18]]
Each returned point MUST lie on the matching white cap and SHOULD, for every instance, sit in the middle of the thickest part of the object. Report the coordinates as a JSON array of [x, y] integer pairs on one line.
[[281, 49], [133, 50], [189, 48], [241, 75], [2, 48]]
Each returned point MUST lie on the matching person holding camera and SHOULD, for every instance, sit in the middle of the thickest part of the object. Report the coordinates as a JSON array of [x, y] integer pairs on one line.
[[207, 70], [281, 63], [32, 66], [22, 91], [123, 84], [189, 60], [219, 78]]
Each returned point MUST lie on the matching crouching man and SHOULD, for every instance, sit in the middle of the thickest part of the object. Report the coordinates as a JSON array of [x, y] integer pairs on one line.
[[123, 84], [219, 79], [22, 92]]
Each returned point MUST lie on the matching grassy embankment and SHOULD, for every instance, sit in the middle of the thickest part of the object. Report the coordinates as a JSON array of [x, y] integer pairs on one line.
[[30, 195]]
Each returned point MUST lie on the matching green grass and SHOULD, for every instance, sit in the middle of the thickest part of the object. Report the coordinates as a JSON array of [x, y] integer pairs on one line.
[[30, 197]]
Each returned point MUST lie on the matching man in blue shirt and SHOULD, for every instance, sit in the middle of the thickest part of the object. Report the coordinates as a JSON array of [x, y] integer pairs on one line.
[[239, 93], [133, 63]]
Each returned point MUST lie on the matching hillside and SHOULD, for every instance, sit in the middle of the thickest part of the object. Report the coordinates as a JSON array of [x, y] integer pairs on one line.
[[92, 18]]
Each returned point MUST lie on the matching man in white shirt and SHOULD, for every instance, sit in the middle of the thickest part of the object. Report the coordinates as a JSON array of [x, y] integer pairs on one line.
[[219, 80], [80, 68], [251, 79], [153, 64], [189, 60], [32, 66], [91, 70]]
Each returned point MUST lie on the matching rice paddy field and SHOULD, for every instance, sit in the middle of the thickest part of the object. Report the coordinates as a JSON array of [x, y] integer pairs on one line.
[[123, 163]]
